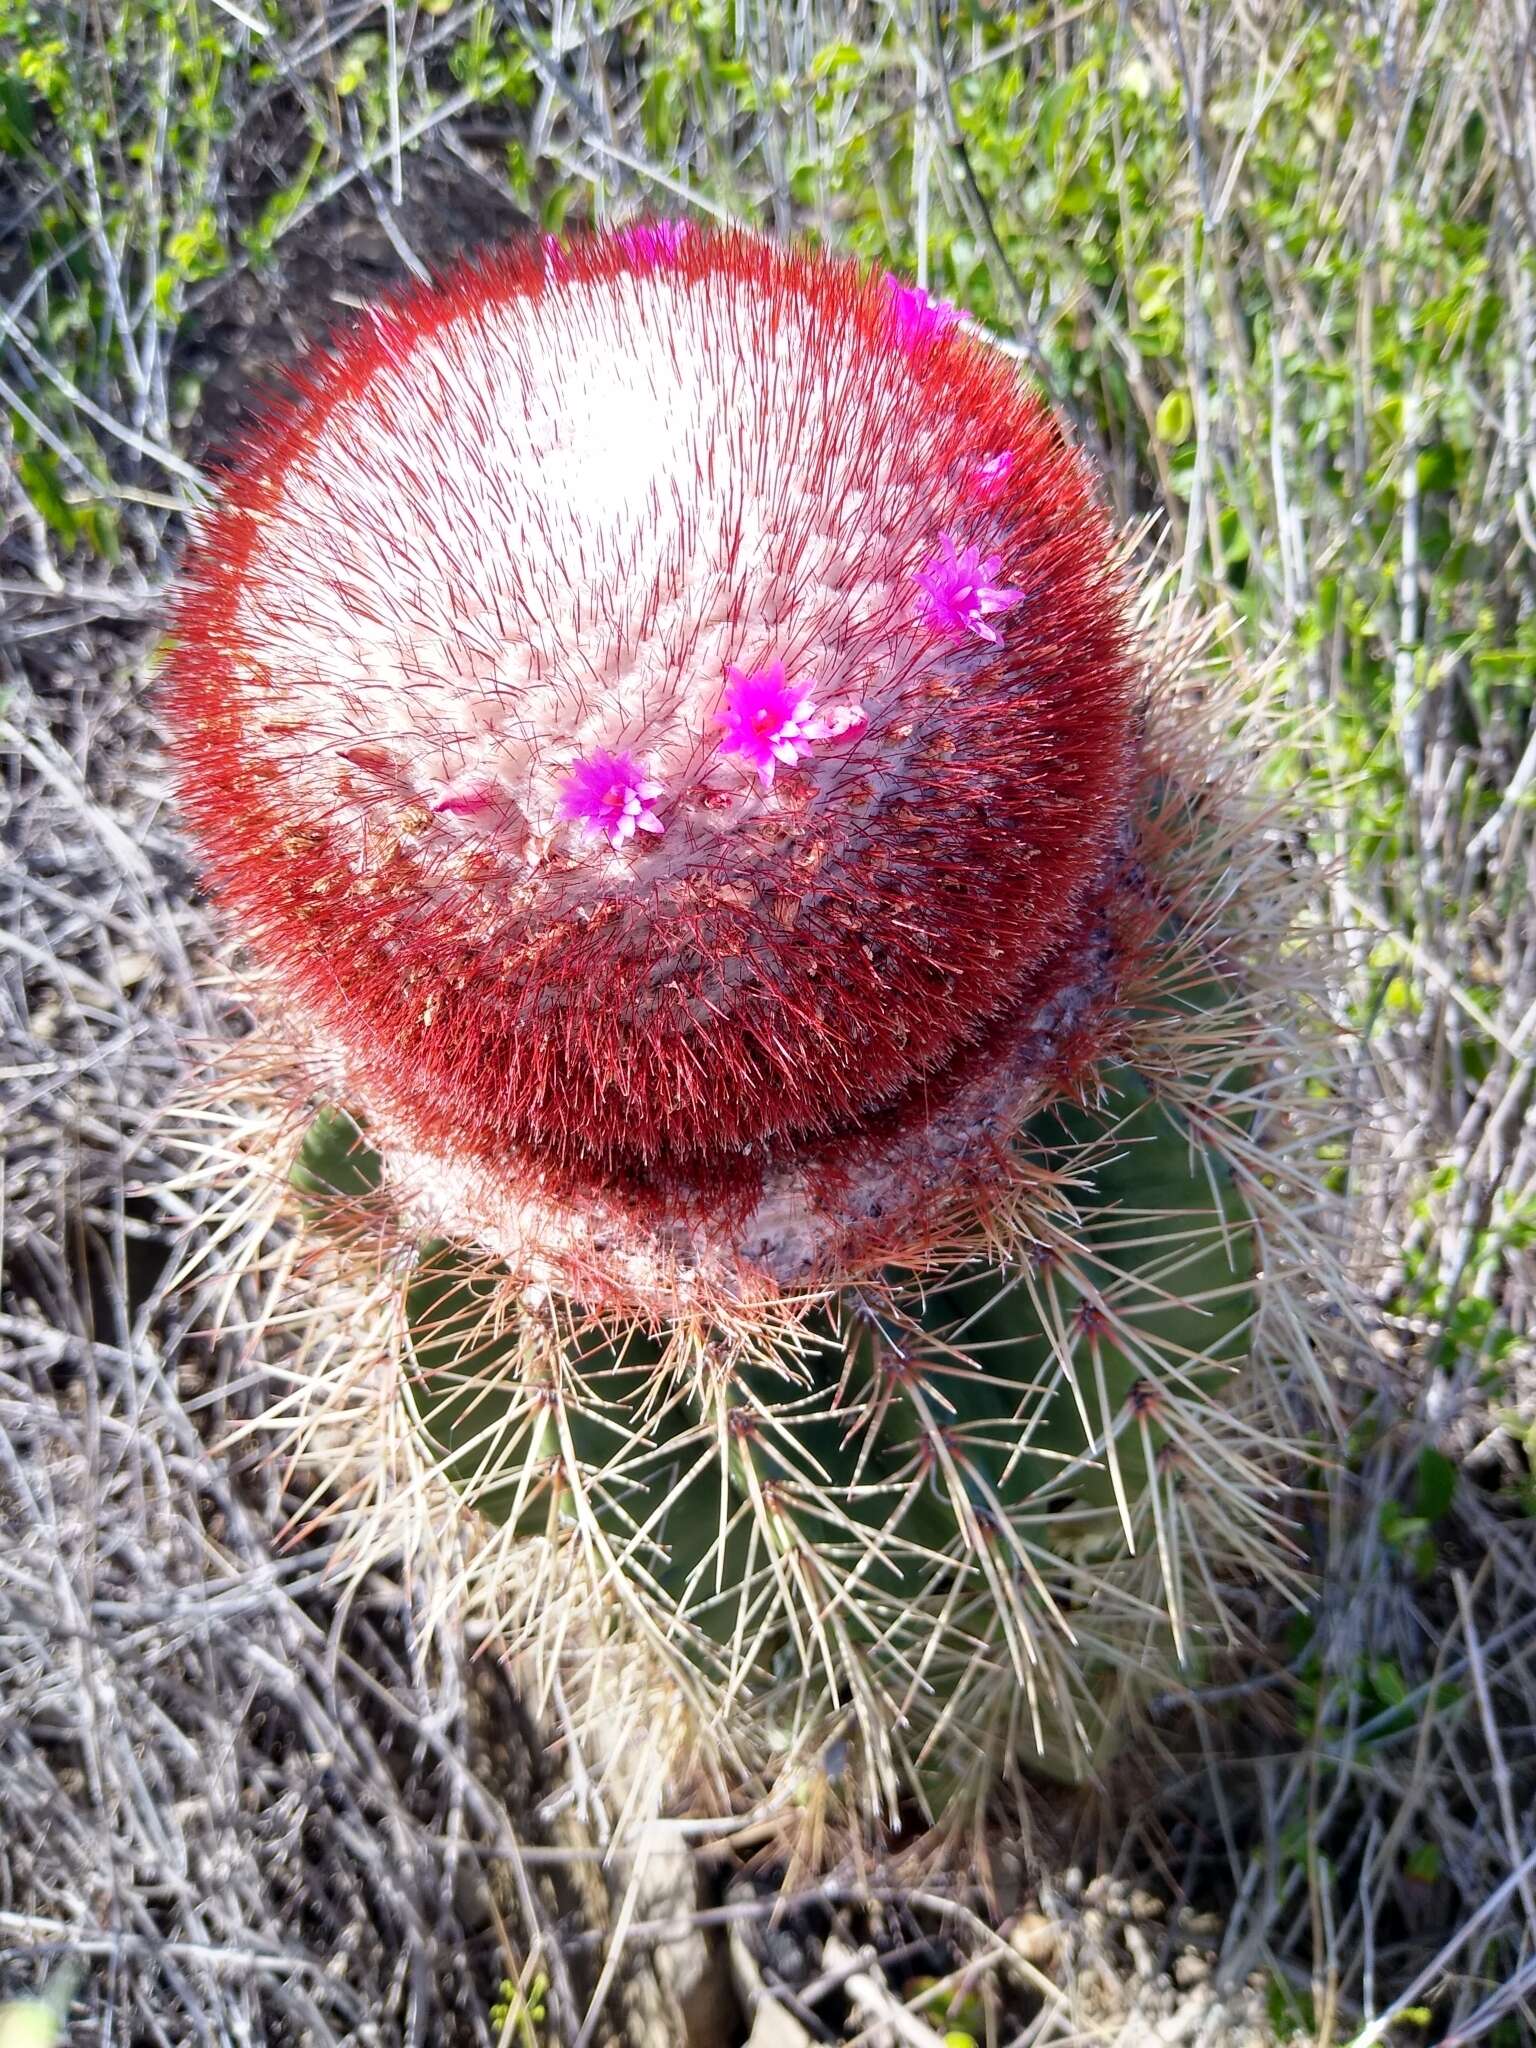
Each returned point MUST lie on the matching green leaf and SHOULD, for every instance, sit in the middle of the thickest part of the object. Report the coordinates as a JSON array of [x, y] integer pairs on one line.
[[358, 57], [1436, 1484], [1053, 112], [1175, 418], [834, 58], [98, 526], [1232, 535], [28, 2023], [1397, 1529], [1388, 1682], [1291, 2012], [196, 251], [38, 471], [16, 124], [279, 209], [1437, 466]]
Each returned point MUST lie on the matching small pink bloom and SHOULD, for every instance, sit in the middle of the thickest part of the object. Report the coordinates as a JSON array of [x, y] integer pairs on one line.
[[654, 241], [468, 797], [989, 478], [770, 721], [610, 795], [916, 316], [554, 255], [958, 591], [763, 715]]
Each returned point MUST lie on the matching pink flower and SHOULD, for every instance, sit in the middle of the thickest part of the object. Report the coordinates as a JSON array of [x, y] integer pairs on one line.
[[467, 797], [989, 478], [916, 316], [958, 591], [611, 795], [769, 721], [654, 241]]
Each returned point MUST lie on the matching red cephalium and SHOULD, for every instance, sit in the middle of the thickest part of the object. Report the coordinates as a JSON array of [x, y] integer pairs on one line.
[[654, 705]]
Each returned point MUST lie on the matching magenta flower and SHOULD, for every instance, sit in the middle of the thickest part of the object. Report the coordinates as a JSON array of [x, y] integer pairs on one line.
[[916, 316], [769, 720], [959, 594], [467, 796], [653, 241], [611, 795], [989, 478]]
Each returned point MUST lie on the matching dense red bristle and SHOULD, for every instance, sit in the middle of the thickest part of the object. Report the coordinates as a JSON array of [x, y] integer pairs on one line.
[[777, 968]]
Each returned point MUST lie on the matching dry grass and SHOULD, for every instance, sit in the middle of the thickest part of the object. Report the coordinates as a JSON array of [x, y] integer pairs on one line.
[[264, 1806]]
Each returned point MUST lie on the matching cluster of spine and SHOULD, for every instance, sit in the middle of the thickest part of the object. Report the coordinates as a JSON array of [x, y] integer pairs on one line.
[[819, 1156]]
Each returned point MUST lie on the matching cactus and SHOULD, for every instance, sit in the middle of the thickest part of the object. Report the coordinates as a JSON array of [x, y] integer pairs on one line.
[[815, 1181]]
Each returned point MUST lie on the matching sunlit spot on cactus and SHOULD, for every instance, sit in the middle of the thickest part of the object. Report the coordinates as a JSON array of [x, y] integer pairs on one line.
[[989, 477]]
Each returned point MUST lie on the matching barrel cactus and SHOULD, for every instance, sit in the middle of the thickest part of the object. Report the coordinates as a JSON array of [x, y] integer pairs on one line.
[[789, 1025]]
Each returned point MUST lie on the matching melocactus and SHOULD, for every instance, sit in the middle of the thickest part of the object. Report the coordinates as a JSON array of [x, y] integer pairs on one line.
[[825, 1015]]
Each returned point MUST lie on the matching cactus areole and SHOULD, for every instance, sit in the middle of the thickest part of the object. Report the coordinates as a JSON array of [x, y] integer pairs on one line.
[[661, 711]]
